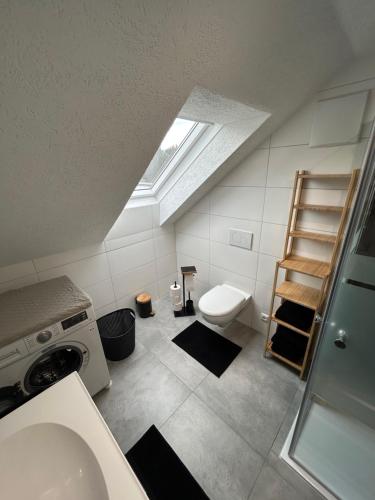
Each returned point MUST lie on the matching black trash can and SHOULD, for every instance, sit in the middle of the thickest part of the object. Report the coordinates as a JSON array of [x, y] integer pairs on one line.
[[117, 332]]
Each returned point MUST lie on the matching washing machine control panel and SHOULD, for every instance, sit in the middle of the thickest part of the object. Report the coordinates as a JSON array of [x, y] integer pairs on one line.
[[52, 333], [44, 336], [74, 320], [35, 341]]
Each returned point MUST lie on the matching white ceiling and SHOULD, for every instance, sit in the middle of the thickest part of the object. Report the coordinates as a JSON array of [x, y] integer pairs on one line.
[[88, 89]]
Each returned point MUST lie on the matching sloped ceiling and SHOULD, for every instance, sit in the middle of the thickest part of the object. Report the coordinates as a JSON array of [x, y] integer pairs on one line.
[[89, 88]]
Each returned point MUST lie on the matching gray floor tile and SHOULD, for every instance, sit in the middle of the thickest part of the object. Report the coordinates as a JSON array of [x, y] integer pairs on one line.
[[251, 396], [182, 365], [271, 486], [306, 491], [288, 421], [236, 331], [118, 367], [157, 340], [220, 460], [143, 393]]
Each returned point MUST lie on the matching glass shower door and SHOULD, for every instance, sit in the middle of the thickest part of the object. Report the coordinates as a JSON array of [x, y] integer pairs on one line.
[[334, 438]]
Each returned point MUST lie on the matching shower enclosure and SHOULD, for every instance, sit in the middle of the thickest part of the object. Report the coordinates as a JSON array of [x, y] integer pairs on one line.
[[334, 436]]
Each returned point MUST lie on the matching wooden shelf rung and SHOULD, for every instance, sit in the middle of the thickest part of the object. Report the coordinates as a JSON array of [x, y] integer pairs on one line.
[[296, 366], [300, 294], [319, 208], [325, 176], [308, 235], [311, 267], [288, 325]]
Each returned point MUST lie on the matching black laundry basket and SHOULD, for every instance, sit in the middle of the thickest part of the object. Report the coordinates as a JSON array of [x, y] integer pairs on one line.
[[117, 332]]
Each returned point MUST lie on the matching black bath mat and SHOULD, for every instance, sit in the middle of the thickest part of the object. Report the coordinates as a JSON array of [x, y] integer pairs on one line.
[[208, 347], [160, 471]]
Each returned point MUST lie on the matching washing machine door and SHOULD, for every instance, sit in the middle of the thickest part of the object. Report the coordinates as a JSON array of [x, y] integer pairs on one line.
[[52, 366], [11, 397]]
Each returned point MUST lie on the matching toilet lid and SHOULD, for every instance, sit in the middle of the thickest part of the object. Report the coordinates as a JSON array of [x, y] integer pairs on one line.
[[220, 301]]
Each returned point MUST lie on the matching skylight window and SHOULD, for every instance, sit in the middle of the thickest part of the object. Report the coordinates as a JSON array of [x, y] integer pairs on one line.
[[177, 142]]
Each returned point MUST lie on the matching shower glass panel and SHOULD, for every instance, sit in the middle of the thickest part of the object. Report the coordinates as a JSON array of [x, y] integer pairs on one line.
[[334, 437]]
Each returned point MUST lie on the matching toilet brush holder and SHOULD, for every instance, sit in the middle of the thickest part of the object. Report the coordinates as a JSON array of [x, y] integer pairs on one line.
[[187, 309]]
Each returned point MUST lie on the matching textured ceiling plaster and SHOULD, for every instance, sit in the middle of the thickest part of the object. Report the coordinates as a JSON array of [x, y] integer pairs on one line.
[[89, 88]]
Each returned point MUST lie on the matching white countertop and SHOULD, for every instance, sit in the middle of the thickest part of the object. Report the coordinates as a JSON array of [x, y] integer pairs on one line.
[[57, 445]]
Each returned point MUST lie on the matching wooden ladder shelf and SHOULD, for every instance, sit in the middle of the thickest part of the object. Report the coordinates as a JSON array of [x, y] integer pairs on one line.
[[308, 296]]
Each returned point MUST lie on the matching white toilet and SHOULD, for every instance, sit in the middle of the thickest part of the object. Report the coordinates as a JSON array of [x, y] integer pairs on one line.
[[221, 304]]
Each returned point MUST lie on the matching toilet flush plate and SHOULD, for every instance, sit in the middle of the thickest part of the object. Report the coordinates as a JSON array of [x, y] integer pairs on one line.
[[241, 238]]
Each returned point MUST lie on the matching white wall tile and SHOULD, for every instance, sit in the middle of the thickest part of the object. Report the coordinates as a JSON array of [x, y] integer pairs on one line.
[[101, 293], [219, 229], [61, 259], [266, 144], [284, 162], [296, 130], [128, 240], [102, 311], [155, 207], [83, 273], [239, 202], [129, 300], [166, 265], [200, 289], [313, 249], [165, 244], [246, 315], [234, 259], [276, 205], [272, 239], [219, 276], [89, 271], [194, 224], [266, 269], [165, 283], [134, 280], [15, 271], [132, 220], [319, 221], [30, 279], [162, 230], [324, 196], [261, 304], [306, 280], [132, 256], [202, 207], [251, 172], [192, 246], [201, 266], [370, 108]]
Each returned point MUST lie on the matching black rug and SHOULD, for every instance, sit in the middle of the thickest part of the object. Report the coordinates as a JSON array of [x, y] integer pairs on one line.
[[208, 347], [160, 471]]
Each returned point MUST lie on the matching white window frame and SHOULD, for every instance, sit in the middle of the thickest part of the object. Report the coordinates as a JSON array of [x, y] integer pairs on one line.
[[148, 189]]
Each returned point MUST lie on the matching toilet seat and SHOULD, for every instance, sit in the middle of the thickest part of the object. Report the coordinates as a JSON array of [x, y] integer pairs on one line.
[[221, 301]]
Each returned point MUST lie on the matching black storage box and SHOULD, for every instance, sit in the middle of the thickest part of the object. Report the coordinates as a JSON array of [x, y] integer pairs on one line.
[[299, 316], [289, 344], [117, 333]]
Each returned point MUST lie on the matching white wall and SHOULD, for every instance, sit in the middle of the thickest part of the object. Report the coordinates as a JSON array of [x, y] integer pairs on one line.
[[256, 195], [137, 255]]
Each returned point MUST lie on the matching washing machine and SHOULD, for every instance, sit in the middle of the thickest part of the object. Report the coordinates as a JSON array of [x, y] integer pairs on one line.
[[40, 359]]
